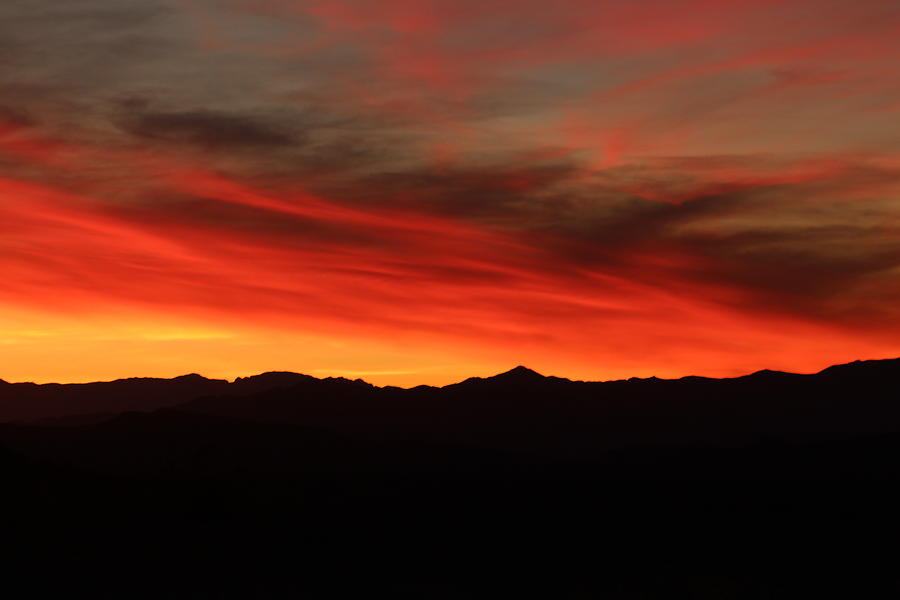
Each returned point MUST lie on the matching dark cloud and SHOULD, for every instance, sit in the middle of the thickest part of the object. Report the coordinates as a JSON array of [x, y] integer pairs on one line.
[[210, 129], [497, 193], [768, 252], [16, 116]]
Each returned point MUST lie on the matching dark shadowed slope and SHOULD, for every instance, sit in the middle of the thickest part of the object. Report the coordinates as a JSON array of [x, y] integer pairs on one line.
[[772, 485]]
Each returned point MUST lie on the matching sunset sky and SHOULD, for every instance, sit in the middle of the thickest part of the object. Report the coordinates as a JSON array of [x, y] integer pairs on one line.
[[417, 191]]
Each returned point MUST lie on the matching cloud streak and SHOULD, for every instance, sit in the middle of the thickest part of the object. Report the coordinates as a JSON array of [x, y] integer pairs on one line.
[[442, 186]]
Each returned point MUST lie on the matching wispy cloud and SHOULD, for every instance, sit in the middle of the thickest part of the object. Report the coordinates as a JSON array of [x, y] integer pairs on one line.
[[597, 188]]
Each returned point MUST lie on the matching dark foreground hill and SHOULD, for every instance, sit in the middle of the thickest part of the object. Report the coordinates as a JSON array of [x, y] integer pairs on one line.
[[772, 485]]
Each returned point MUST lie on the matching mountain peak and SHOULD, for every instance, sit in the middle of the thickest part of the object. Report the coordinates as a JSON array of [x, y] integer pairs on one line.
[[191, 377], [274, 376], [516, 375], [519, 372], [768, 373]]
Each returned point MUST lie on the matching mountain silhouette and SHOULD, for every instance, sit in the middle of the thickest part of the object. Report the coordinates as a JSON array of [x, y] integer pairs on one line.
[[757, 395], [516, 375], [769, 485], [29, 401]]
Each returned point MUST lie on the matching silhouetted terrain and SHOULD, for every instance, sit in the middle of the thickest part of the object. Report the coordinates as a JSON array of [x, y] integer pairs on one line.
[[29, 401], [772, 485]]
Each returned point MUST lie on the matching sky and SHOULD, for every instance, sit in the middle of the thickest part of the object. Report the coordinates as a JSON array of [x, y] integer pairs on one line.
[[418, 191]]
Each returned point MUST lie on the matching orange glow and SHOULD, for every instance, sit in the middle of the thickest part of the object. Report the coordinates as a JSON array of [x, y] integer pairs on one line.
[[417, 300]]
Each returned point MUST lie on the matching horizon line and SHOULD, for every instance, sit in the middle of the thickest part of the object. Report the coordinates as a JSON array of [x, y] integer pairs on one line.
[[322, 378]]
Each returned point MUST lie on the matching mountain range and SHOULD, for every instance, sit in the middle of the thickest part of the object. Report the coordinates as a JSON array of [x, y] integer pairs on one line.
[[771, 485], [517, 408]]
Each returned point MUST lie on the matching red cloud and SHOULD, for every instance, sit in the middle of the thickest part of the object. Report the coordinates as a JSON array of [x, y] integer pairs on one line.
[[593, 187]]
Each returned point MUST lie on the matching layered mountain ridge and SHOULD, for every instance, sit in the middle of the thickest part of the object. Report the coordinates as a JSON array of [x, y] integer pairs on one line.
[[515, 409]]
